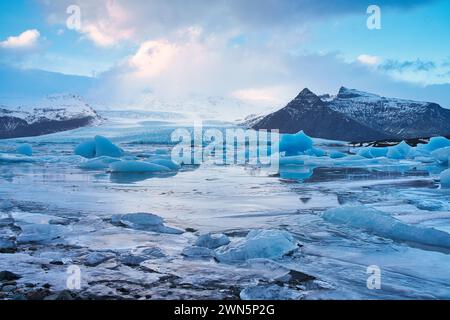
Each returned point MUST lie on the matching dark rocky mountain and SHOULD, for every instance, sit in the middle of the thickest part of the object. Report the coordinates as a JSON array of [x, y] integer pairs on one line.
[[314, 116], [56, 113], [358, 116]]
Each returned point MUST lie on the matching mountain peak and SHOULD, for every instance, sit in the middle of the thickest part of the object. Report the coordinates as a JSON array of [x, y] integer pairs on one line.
[[307, 95], [346, 93]]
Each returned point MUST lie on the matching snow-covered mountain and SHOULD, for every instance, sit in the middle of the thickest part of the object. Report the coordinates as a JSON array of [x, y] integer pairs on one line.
[[52, 114], [357, 116]]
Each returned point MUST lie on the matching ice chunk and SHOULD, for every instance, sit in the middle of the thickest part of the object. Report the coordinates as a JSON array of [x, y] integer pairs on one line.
[[270, 292], [14, 158], [143, 221], [86, 149], [98, 163], [137, 167], [104, 147], [399, 151], [25, 149], [291, 160], [445, 179], [292, 144], [271, 244], [167, 163], [96, 258], [40, 233], [442, 155], [435, 143], [212, 241], [373, 152], [382, 224], [337, 155], [198, 253], [315, 152]]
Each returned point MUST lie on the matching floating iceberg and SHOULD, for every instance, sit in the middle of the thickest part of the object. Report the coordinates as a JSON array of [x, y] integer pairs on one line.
[[445, 179], [14, 158], [442, 155], [143, 221], [25, 149], [212, 241], [98, 163], [399, 151], [99, 146], [291, 160], [104, 147], [382, 224], [292, 144], [373, 152], [132, 166], [337, 155], [86, 149], [435, 143], [166, 163], [270, 244]]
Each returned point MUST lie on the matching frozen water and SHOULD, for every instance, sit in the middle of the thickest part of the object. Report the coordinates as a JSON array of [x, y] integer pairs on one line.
[[292, 144], [104, 147], [25, 149], [86, 149], [337, 154], [143, 221], [399, 151], [130, 166], [435, 143], [272, 244], [42, 233], [442, 155], [166, 163], [212, 241], [384, 225], [271, 292], [96, 258], [373, 152], [445, 179], [195, 252], [98, 163]]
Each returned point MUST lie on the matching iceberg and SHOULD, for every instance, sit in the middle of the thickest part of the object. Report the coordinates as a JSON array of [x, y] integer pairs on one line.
[[86, 149], [442, 155], [198, 253], [271, 292], [292, 144], [42, 233], [212, 241], [373, 152], [143, 221], [382, 224], [166, 163], [104, 147], [435, 143], [132, 166], [399, 151], [25, 149], [98, 163], [337, 155], [445, 179], [259, 243]]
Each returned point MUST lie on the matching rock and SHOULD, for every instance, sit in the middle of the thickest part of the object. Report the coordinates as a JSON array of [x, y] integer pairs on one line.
[[96, 258], [61, 296], [39, 294], [198, 253], [8, 276], [212, 241]]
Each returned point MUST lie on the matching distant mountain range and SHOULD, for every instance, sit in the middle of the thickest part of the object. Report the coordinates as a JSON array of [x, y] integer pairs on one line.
[[357, 116], [53, 114]]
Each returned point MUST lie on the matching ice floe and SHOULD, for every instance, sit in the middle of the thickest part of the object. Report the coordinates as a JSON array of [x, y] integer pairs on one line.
[[97, 147], [143, 221], [259, 243], [98, 163], [212, 241], [445, 179], [292, 144], [131, 166], [25, 149], [384, 225]]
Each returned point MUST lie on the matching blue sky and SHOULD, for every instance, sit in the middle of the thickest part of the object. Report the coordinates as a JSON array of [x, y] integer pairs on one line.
[[261, 52]]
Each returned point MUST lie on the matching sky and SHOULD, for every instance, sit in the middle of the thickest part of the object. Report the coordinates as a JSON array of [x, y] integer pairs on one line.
[[261, 52]]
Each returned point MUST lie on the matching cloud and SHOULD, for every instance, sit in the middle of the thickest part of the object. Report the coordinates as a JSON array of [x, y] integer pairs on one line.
[[26, 40], [416, 65], [368, 59]]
